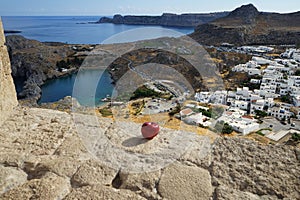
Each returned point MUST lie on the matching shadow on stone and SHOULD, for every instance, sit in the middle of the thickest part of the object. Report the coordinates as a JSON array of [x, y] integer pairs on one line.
[[134, 141]]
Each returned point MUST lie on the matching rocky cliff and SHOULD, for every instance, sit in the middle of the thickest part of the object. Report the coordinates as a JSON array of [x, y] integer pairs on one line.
[[246, 25], [36, 62], [167, 19], [8, 99]]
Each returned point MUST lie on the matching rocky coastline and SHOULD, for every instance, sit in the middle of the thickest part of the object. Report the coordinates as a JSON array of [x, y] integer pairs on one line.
[[166, 19], [37, 62]]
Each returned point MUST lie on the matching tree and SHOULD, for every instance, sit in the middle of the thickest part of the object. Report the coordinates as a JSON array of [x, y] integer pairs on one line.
[[297, 73], [207, 113], [286, 98], [224, 128], [227, 129], [260, 114], [295, 137]]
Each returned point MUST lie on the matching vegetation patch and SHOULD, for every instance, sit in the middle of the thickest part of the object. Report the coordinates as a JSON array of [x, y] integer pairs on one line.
[[143, 92], [175, 110], [222, 127], [137, 107], [76, 62], [106, 112], [260, 132], [260, 114]]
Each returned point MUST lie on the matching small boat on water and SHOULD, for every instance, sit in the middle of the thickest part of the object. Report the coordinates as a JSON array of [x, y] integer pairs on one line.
[[106, 99]]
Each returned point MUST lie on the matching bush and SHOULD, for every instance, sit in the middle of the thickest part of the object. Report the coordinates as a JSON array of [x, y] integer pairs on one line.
[[260, 113], [286, 99], [224, 128], [106, 112], [143, 91], [207, 113], [227, 129], [175, 110], [295, 137]]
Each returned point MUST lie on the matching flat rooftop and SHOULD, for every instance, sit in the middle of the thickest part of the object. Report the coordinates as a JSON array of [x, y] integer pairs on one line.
[[278, 135]]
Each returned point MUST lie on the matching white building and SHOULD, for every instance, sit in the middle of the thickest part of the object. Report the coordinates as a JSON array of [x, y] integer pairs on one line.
[[197, 119], [203, 97], [239, 123], [280, 111], [256, 105], [296, 100]]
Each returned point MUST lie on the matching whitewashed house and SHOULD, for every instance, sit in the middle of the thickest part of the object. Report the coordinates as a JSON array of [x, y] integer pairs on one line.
[[256, 105], [296, 100], [280, 111]]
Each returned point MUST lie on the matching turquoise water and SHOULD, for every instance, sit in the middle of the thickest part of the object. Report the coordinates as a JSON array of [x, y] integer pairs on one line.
[[77, 30], [89, 89]]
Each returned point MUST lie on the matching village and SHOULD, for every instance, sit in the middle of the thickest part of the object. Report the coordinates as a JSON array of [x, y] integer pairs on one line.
[[269, 105], [272, 110]]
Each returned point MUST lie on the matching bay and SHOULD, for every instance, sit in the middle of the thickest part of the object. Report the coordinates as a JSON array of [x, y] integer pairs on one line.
[[78, 30], [70, 29], [86, 82]]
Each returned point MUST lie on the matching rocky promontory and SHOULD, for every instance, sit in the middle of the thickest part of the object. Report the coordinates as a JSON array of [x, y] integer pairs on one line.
[[36, 62], [247, 26], [166, 19]]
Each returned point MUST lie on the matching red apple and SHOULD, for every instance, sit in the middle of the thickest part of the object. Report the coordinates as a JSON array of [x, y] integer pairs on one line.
[[150, 130]]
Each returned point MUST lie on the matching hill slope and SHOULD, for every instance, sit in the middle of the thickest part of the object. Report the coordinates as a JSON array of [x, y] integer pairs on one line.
[[246, 25], [167, 19]]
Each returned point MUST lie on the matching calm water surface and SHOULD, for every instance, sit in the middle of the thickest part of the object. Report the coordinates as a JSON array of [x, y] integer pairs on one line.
[[76, 30]]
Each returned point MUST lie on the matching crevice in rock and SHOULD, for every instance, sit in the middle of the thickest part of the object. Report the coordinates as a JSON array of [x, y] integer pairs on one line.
[[74, 183], [157, 183], [117, 181], [210, 170], [34, 171]]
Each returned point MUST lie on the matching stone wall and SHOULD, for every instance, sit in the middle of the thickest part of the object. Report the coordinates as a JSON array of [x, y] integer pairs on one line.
[[8, 98]]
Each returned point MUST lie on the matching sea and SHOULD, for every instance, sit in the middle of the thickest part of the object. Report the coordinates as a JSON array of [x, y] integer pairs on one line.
[[80, 30]]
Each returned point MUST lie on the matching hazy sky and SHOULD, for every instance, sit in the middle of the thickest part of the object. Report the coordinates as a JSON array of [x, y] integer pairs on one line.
[[110, 7]]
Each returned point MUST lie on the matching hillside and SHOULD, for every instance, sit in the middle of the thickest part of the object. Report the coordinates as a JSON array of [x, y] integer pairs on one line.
[[167, 19], [246, 25]]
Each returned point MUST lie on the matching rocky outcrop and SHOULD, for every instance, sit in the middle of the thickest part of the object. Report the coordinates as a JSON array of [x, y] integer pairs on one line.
[[8, 99], [248, 167], [41, 147], [166, 19], [35, 62], [246, 26]]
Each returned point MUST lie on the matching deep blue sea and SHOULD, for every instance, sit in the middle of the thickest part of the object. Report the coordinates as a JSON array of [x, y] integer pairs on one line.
[[78, 30], [70, 29]]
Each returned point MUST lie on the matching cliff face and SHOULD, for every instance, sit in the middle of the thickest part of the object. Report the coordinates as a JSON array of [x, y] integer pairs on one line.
[[167, 19], [35, 62], [245, 26], [8, 99]]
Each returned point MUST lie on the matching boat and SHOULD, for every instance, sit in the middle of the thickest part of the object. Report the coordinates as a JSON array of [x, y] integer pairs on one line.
[[106, 99]]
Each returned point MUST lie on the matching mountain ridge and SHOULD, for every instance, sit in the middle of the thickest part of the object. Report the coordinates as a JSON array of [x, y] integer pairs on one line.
[[247, 26], [166, 19]]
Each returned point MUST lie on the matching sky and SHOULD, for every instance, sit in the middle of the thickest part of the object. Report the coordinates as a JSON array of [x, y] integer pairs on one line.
[[137, 7]]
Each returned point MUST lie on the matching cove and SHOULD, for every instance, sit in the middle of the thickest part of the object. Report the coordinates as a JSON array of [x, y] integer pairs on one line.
[[56, 89]]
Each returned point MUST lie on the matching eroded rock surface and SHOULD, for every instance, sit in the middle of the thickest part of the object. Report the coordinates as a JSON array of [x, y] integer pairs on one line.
[[43, 156], [247, 166], [44, 146], [8, 98]]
